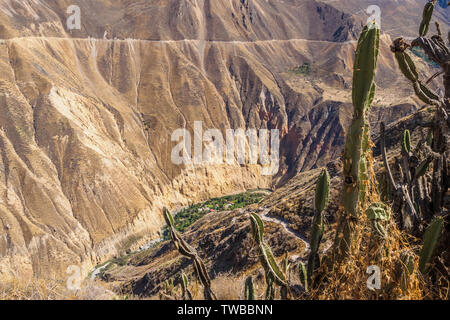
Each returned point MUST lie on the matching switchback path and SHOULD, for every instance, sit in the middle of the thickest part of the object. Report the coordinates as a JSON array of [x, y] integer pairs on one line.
[[265, 217]]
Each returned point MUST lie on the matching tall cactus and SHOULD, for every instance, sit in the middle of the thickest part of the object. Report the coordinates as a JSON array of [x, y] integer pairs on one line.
[[358, 144], [430, 240], [321, 202], [413, 196], [274, 275], [186, 250], [430, 202]]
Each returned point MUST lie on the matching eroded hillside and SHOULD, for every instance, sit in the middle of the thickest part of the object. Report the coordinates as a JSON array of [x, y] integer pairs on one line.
[[224, 239], [87, 116]]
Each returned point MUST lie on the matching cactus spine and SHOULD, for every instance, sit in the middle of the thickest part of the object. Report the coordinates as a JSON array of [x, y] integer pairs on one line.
[[409, 70], [186, 250], [321, 202], [274, 275], [430, 240], [357, 144]]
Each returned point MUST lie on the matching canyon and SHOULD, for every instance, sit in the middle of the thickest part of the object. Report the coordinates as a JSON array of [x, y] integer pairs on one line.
[[86, 116]]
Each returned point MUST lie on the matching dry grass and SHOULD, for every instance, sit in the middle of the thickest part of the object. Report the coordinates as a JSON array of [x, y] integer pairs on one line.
[[15, 289], [348, 279], [40, 289]]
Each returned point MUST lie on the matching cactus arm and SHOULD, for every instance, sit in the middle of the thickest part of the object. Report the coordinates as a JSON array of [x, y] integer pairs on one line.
[[285, 263], [168, 217], [322, 191], [186, 250], [249, 289], [401, 191], [321, 202], [406, 142], [270, 290], [411, 210], [271, 265], [271, 268], [430, 240], [422, 169], [257, 227], [187, 295], [407, 66], [316, 232], [267, 257], [303, 276], [407, 269], [384, 155], [426, 18], [409, 70]]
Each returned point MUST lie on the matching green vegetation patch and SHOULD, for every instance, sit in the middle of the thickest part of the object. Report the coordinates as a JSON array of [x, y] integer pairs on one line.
[[186, 217], [305, 69]]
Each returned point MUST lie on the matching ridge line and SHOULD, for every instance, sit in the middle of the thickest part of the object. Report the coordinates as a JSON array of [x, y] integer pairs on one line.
[[176, 41]]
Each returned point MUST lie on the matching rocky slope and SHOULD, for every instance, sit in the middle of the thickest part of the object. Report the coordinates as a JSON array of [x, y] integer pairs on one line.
[[224, 239], [87, 115]]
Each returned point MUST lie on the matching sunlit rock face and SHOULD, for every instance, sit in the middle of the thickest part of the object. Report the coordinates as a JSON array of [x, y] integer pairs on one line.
[[87, 116]]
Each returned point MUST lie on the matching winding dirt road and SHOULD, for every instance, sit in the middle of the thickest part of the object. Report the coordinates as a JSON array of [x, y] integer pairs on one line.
[[285, 226]]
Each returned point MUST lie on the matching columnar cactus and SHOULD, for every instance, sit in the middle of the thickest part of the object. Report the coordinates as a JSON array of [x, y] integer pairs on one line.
[[406, 142], [303, 275], [186, 250], [357, 144], [408, 68], [430, 240], [430, 138], [274, 275], [321, 202], [426, 18], [407, 269], [270, 289], [249, 289], [187, 295], [422, 169], [430, 204]]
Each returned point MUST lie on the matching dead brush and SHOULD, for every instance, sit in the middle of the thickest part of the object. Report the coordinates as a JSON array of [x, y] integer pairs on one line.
[[33, 289], [347, 279]]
